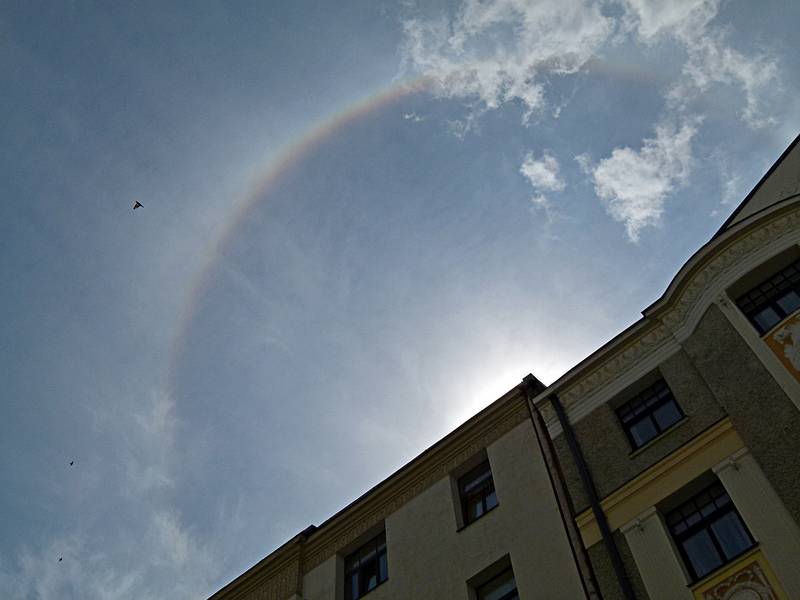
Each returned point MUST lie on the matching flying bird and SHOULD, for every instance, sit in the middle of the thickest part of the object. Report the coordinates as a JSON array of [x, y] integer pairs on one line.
[[72, 462], [137, 204], [59, 559]]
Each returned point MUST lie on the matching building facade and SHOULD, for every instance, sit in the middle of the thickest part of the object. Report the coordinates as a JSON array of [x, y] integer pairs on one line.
[[666, 465]]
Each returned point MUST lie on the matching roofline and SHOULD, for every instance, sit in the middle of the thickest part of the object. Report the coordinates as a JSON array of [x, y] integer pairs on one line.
[[647, 313], [516, 390], [755, 189], [274, 557], [674, 283]]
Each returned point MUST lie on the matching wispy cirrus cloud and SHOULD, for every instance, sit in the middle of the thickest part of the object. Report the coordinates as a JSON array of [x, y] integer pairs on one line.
[[711, 60], [152, 550]]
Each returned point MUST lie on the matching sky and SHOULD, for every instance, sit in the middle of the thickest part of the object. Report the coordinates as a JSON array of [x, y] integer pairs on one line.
[[362, 222]]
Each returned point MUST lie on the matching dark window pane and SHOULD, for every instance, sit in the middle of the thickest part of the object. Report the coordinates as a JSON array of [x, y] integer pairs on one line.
[[368, 554], [369, 575], [476, 490], [766, 319], [365, 568], [701, 553], [667, 415], [790, 302], [643, 431], [475, 509], [352, 588], [693, 519], [480, 480], [731, 535], [383, 568]]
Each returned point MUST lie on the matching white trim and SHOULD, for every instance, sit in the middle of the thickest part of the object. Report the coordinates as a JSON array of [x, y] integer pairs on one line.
[[789, 385]]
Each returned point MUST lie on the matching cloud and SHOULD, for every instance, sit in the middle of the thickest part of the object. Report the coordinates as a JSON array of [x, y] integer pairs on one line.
[[634, 184], [710, 58], [150, 551], [412, 116], [542, 174], [493, 53]]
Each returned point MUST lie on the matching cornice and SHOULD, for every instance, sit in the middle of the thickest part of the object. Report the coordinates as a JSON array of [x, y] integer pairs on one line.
[[674, 316], [276, 577], [768, 230]]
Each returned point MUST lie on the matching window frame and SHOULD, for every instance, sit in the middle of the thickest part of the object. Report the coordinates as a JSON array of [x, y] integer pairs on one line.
[[480, 591], [376, 545], [705, 523], [643, 397], [485, 490], [750, 306]]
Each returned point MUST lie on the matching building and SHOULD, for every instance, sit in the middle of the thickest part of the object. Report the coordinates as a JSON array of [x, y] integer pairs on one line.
[[666, 465]]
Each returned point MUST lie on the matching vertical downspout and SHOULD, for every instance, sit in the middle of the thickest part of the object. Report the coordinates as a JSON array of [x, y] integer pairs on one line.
[[594, 500], [532, 387]]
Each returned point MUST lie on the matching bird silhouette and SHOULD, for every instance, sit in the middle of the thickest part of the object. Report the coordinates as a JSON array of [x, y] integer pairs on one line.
[[59, 559], [137, 204], [72, 462]]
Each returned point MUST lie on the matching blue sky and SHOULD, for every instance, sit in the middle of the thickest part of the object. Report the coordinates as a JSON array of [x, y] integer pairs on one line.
[[362, 222]]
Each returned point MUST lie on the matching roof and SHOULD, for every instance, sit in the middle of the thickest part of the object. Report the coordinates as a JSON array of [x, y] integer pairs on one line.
[[779, 182]]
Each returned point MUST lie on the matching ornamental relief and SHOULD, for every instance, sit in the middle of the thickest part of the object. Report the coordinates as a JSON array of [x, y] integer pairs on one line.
[[726, 261], [616, 365], [678, 315], [785, 344], [748, 583], [278, 587]]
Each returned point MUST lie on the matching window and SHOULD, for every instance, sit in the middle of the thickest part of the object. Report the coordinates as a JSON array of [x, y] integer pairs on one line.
[[649, 414], [476, 490], [366, 568], [771, 301], [501, 587], [708, 531]]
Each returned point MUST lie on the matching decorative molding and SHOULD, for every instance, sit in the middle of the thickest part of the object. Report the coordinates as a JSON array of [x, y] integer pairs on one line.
[[274, 578], [749, 577], [616, 364], [724, 261], [664, 327]]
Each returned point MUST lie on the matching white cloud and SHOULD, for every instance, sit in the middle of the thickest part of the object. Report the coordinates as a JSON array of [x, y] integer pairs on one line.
[[496, 52], [412, 116], [493, 52], [542, 174], [634, 184]]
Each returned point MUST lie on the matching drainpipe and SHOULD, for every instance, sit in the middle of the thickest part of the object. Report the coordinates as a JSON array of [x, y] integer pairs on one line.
[[594, 500], [532, 387]]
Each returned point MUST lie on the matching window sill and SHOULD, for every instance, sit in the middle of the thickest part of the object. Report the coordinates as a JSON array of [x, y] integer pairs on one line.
[[463, 527], [658, 438]]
